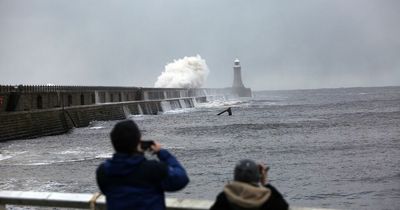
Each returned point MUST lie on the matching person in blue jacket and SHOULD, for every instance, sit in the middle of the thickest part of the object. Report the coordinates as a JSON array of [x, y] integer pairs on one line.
[[129, 180]]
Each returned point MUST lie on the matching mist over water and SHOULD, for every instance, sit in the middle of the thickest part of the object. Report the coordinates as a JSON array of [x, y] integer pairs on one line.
[[331, 148], [187, 72]]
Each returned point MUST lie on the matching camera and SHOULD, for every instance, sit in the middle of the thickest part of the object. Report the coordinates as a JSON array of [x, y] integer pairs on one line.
[[146, 145]]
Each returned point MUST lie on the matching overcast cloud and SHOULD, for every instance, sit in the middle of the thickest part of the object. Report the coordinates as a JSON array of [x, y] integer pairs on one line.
[[282, 44]]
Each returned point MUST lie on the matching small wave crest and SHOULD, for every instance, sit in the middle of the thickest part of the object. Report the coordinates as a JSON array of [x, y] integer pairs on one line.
[[141, 117], [221, 103], [173, 147], [8, 155], [68, 152], [104, 156], [50, 162], [4, 157], [178, 111], [96, 127]]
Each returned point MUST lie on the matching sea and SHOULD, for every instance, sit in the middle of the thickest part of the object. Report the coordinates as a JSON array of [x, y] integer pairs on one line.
[[327, 148]]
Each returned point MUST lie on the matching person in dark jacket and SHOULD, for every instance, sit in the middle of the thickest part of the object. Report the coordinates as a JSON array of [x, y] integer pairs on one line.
[[129, 180], [250, 190]]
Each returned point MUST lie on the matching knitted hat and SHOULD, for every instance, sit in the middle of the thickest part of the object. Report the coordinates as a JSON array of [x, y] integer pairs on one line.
[[247, 171]]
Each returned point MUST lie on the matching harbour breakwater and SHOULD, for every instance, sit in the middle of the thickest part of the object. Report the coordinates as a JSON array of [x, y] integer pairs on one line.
[[34, 111]]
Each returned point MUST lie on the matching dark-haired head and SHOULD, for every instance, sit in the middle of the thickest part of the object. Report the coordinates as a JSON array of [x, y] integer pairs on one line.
[[125, 137], [247, 171]]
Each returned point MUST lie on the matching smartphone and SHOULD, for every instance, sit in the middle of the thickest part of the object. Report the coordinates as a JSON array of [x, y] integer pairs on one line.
[[146, 145]]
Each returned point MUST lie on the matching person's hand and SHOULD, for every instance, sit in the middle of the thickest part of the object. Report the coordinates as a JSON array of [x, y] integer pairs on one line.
[[156, 147], [263, 173]]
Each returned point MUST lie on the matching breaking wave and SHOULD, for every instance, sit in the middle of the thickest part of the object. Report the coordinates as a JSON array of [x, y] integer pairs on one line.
[[188, 72]]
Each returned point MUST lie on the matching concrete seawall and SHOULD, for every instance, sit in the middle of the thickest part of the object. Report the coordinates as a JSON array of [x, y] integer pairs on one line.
[[36, 123], [32, 111]]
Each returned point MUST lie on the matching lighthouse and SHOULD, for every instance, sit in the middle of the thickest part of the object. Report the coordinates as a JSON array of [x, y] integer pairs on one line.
[[237, 87], [237, 75]]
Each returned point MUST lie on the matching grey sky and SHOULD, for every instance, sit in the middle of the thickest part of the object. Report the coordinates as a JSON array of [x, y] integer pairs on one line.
[[282, 44]]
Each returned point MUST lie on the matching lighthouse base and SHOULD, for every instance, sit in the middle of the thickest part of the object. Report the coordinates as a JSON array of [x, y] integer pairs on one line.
[[242, 91]]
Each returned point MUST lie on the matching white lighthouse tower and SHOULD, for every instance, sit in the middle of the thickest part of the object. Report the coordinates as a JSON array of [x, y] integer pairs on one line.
[[237, 87], [237, 75]]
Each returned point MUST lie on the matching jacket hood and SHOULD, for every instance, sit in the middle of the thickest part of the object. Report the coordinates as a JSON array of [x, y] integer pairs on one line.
[[246, 195], [122, 164]]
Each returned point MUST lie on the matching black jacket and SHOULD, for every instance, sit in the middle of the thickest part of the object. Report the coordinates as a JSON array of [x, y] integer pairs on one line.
[[272, 199]]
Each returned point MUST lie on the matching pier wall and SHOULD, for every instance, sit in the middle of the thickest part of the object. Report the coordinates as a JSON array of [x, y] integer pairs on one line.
[[32, 124], [28, 111], [19, 125], [32, 97]]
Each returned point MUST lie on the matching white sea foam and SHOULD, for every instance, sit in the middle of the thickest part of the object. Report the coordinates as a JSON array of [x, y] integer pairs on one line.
[[173, 147], [48, 186], [34, 164], [104, 155], [68, 152], [54, 162], [7, 155], [178, 111], [137, 117], [4, 157], [188, 72], [211, 104], [219, 103], [96, 127]]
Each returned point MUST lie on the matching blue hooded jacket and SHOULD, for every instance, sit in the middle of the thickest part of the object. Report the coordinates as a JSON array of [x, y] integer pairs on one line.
[[133, 182]]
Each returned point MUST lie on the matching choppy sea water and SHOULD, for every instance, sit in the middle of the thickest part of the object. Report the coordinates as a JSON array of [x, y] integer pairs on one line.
[[334, 148]]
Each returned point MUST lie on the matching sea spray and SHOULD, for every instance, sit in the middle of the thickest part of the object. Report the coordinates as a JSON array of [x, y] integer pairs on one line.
[[188, 72]]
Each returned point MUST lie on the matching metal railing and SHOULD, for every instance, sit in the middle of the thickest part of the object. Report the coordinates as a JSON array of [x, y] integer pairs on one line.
[[93, 201]]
